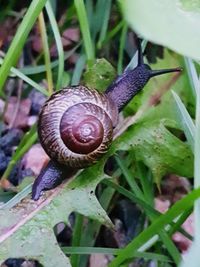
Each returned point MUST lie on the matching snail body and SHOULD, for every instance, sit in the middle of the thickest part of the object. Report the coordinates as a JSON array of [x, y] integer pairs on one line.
[[76, 123]]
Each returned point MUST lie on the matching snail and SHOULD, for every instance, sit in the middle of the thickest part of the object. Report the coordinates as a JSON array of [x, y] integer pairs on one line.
[[76, 124]]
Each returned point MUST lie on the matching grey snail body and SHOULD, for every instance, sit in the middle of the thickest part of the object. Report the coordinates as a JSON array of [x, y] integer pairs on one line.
[[76, 124]]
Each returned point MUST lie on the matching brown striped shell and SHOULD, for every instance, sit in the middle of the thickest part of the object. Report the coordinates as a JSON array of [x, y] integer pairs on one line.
[[76, 126]]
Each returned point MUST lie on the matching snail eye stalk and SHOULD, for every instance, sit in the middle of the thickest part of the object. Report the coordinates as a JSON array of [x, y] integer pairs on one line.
[[131, 82], [154, 73]]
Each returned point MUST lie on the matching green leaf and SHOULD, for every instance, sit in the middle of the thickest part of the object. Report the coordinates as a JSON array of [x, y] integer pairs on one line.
[[111, 251], [153, 20], [30, 225], [99, 75], [158, 148]]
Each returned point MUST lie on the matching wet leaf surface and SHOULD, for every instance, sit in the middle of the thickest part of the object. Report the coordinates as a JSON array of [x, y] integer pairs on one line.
[[158, 148], [31, 224], [152, 20]]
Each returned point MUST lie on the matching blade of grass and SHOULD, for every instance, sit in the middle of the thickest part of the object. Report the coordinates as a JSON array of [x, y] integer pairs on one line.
[[149, 210], [129, 178], [105, 21], [182, 218], [89, 6], [122, 43], [197, 165], [21, 75], [113, 251], [185, 120], [133, 63], [26, 138], [192, 75], [43, 33], [179, 207], [98, 18], [29, 70], [82, 16], [95, 23], [193, 257], [53, 4], [146, 182], [147, 198], [5, 197], [74, 259], [78, 70], [58, 44], [111, 34], [18, 197], [19, 39], [197, 171], [153, 214]]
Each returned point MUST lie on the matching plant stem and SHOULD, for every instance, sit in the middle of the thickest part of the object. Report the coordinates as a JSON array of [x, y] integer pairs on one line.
[[58, 44], [45, 45]]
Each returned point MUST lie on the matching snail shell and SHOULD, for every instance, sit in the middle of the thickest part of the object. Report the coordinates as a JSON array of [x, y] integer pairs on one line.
[[76, 126]]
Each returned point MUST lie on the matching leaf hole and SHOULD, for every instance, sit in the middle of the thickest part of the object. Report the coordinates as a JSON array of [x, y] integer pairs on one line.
[[63, 232], [127, 219], [176, 132], [110, 166], [19, 262]]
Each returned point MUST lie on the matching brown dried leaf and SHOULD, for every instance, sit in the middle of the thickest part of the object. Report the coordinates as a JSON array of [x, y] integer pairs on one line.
[[3, 36], [69, 36], [161, 205], [35, 159], [72, 34], [182, 242], [98, 260], [175, 187], [17, 113], [37, 44], [6, 29]]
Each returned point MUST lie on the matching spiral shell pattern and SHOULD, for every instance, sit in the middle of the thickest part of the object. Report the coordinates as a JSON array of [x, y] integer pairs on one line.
[[76, 126]]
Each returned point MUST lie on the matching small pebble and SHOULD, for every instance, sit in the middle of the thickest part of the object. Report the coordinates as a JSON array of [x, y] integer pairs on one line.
[[37, 100], [32, 120], [35, 159], [3, 161], [19, 173], [10, 139], [20, 114]]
